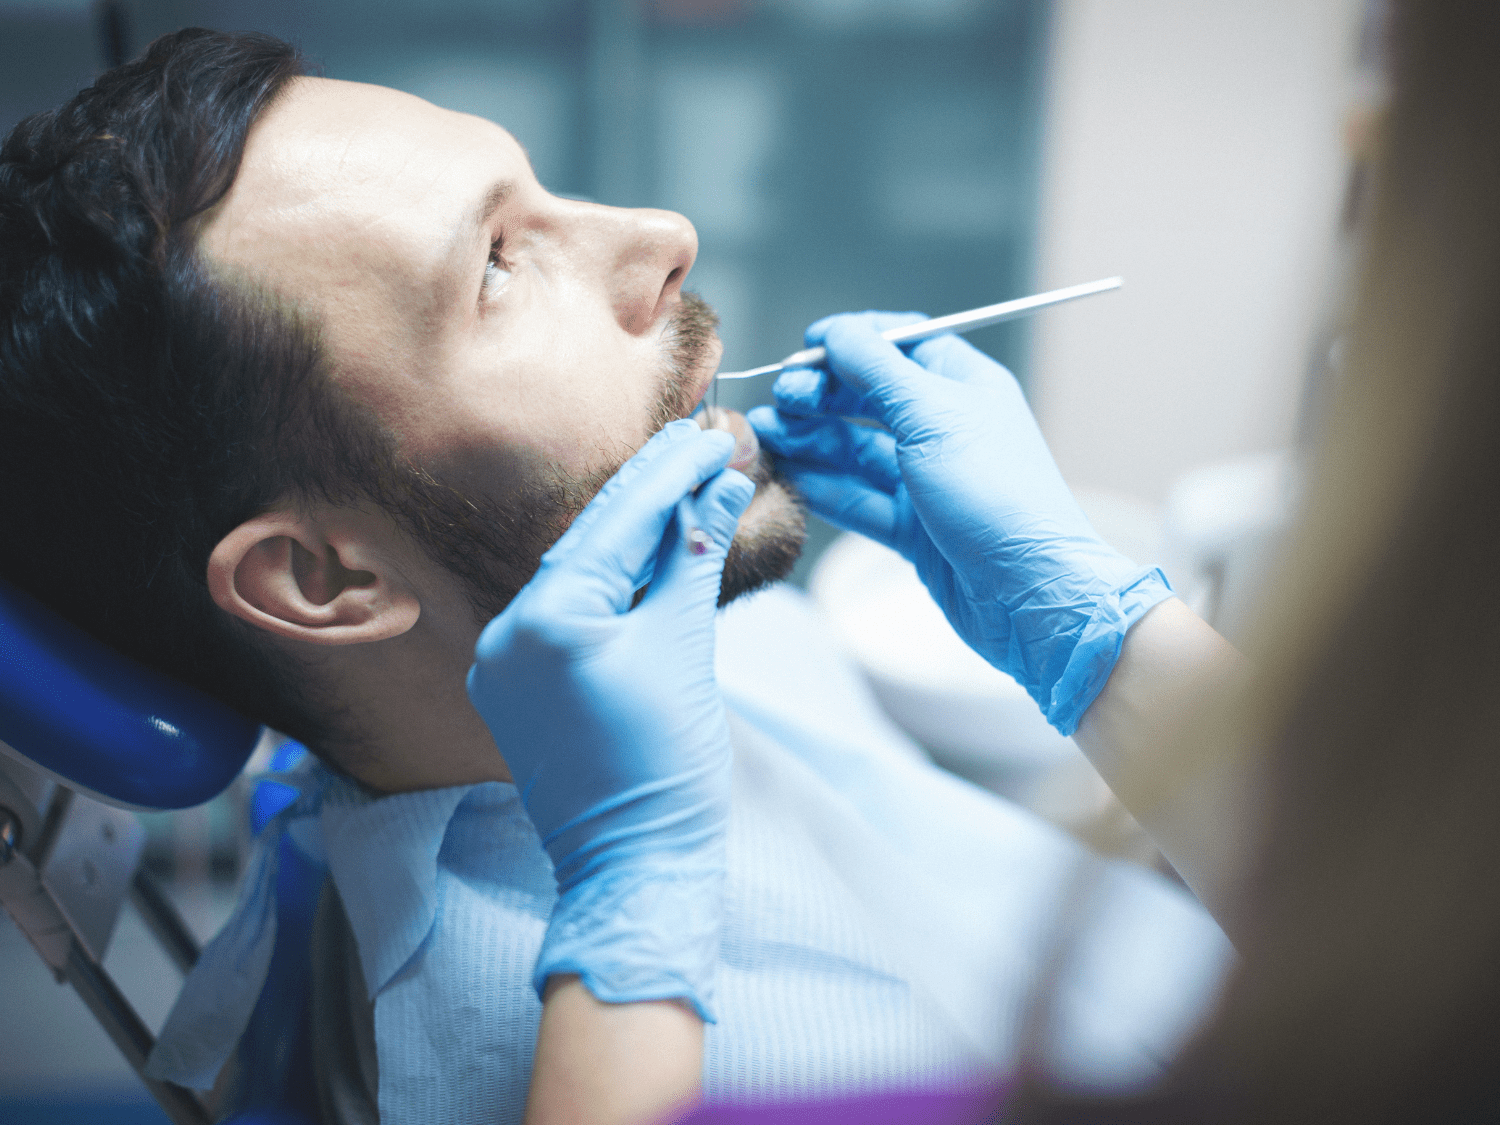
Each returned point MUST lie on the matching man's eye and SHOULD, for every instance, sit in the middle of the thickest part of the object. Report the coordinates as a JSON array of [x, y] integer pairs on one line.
[[495, 273]]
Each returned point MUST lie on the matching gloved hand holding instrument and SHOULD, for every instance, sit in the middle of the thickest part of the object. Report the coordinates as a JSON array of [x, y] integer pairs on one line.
[[611, 722], [962, 484]]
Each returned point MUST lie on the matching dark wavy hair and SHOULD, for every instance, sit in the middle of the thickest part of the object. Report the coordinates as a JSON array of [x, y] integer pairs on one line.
[[146, 407]]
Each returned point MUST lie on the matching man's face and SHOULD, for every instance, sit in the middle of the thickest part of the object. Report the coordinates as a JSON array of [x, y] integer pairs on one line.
[[518, 344]]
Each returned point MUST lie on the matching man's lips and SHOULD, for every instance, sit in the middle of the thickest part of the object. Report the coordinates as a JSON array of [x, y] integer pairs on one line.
[[746, 444], [706, 370]]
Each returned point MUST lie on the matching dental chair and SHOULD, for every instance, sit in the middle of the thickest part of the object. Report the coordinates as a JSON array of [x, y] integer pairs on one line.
[[86, 736]]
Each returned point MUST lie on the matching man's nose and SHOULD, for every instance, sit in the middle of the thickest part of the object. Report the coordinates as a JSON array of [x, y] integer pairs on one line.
[[648, 254]]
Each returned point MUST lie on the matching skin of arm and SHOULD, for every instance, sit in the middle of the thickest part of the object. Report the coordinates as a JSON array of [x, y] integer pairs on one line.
[[1194, 806], [612, 1064]]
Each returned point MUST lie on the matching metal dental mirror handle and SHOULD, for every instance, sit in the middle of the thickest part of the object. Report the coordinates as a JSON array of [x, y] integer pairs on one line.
[[955, 322]]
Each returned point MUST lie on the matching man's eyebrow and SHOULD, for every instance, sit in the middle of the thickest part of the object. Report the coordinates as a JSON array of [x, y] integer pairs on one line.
[[450, 281], [497, 194]]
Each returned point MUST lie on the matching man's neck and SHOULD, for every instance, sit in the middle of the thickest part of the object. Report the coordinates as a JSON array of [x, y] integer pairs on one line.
[[411, 723]]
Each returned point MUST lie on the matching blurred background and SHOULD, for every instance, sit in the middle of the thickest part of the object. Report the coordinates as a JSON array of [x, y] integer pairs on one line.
[[846, 154]]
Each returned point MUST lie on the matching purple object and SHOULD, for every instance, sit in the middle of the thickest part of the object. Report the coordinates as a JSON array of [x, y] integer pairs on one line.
[[953, 1107]]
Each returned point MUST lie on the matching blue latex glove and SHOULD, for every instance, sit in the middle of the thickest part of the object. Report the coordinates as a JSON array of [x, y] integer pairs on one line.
[[963, 485], [612, 725]]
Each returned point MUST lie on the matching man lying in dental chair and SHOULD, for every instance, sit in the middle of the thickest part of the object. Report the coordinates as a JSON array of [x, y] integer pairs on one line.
[[311, 396]]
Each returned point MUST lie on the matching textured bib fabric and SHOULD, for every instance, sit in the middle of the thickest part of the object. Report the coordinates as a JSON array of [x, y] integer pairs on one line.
[[811, 1001]]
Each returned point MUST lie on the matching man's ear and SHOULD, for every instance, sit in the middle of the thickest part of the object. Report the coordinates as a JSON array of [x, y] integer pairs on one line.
[[319, 578]]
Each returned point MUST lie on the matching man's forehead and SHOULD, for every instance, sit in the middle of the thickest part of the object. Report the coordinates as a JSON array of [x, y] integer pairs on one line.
[[330, 139], [347, 202], [360, 165]]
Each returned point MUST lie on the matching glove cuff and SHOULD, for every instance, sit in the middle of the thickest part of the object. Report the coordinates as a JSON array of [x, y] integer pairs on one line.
[[646, 933], [1098, 649]]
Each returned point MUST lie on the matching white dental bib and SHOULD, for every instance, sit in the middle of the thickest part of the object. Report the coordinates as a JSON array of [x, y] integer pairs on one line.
[[884, 925]]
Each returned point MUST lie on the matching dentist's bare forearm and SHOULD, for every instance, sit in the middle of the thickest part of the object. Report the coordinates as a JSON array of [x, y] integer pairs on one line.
[[1191, 801], [612, 1064]]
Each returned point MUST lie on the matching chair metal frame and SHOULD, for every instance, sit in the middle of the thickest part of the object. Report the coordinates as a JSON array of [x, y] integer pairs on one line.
[[87, 736], [68, 862]]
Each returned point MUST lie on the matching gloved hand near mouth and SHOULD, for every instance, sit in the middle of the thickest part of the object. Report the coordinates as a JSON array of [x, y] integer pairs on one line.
[[611, 722], [962, 484]]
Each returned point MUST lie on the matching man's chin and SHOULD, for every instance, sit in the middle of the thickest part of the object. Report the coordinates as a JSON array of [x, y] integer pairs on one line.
[[770, 536]]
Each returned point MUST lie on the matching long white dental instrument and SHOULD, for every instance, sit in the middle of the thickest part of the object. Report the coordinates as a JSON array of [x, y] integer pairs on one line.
[[955, 322]]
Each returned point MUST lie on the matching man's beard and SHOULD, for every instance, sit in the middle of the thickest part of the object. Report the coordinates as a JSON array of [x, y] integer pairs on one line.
[[493, 547]]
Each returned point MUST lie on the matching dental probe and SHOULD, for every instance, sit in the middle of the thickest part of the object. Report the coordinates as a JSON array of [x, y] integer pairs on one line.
[[954, 322]]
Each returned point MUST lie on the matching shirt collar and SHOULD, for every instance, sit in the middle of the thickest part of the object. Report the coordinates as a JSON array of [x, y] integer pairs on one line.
[[383, 855]]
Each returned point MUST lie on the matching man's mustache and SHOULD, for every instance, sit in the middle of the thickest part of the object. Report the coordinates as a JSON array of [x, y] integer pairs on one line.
[[690, 336]]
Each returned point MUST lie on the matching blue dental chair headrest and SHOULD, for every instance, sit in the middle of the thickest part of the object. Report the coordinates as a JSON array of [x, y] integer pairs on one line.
[[103, 723]]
